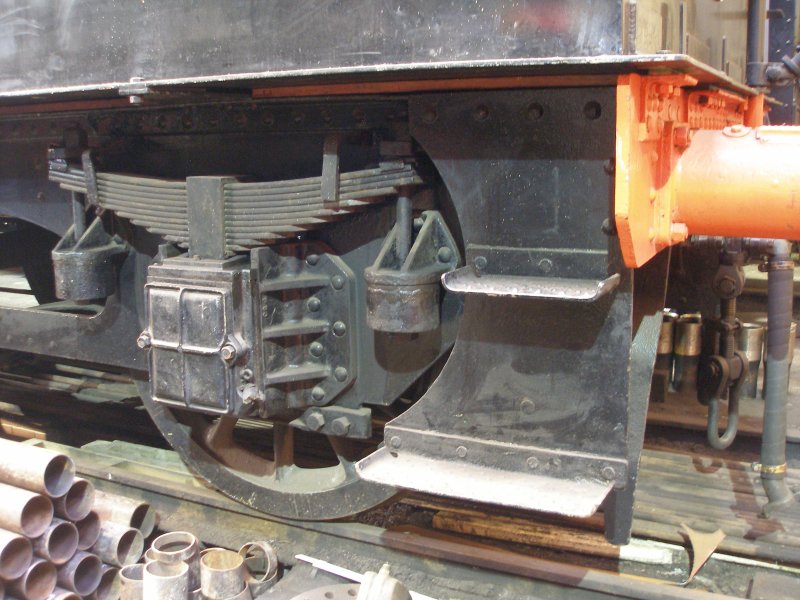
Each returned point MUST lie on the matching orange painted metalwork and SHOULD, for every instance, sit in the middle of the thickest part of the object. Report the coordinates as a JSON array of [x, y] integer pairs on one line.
[[681, 166], [740, 182]]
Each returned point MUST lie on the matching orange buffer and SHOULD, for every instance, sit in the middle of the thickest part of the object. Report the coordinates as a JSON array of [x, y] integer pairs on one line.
[[740, 182], [693, 161]]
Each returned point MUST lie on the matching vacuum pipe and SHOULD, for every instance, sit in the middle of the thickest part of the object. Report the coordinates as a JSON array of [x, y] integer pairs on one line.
[[780, 294], [35, 469], [24, 512]]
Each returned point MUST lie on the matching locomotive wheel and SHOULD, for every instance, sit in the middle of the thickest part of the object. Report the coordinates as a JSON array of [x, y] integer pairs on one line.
[[277, 485]]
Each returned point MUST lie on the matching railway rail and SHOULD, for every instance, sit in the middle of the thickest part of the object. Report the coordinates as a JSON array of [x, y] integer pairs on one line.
[[446, 549]]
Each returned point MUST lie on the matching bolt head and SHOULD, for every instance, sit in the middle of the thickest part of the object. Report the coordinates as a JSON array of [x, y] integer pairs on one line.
[[340, 426], [314, 304], [318, 393], [444, 254], [315, 420], [316, 349], [340, 373], [228, 352], [339, 328], [337, 282], [144, 341]]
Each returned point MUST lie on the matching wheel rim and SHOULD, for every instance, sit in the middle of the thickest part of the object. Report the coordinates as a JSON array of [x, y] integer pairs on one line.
[[276, 486]]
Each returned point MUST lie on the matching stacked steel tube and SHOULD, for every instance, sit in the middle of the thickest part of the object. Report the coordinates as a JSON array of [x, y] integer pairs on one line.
[[59, 539], [175, 568]]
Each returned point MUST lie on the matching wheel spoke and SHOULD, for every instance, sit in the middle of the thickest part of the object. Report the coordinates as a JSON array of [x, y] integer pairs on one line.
[[218, 438]]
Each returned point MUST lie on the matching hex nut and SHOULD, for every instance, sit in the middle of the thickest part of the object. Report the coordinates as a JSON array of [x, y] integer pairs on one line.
[[228, 353], [315, 420], [144, 341], [340, 426]]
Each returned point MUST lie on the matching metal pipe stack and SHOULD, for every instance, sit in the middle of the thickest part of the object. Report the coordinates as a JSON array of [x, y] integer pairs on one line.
[[59, 539]]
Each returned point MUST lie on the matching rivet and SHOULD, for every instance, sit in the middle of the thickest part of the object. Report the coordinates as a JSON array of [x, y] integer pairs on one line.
[[480, 262], [527, 406], [545, 265], [395, 442], [339, 328], [608, 473], [535, 111], [312, 259], [444, 254], [338, 282], [532, 462], [246, 375], [316, 349], [318, 393], [313, 304], [481, 112], [555, 462], [461, 452], [430, 115], [340, 373]]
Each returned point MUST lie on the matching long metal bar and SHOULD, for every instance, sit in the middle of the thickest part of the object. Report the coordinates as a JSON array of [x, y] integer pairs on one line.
[[369, 547]]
